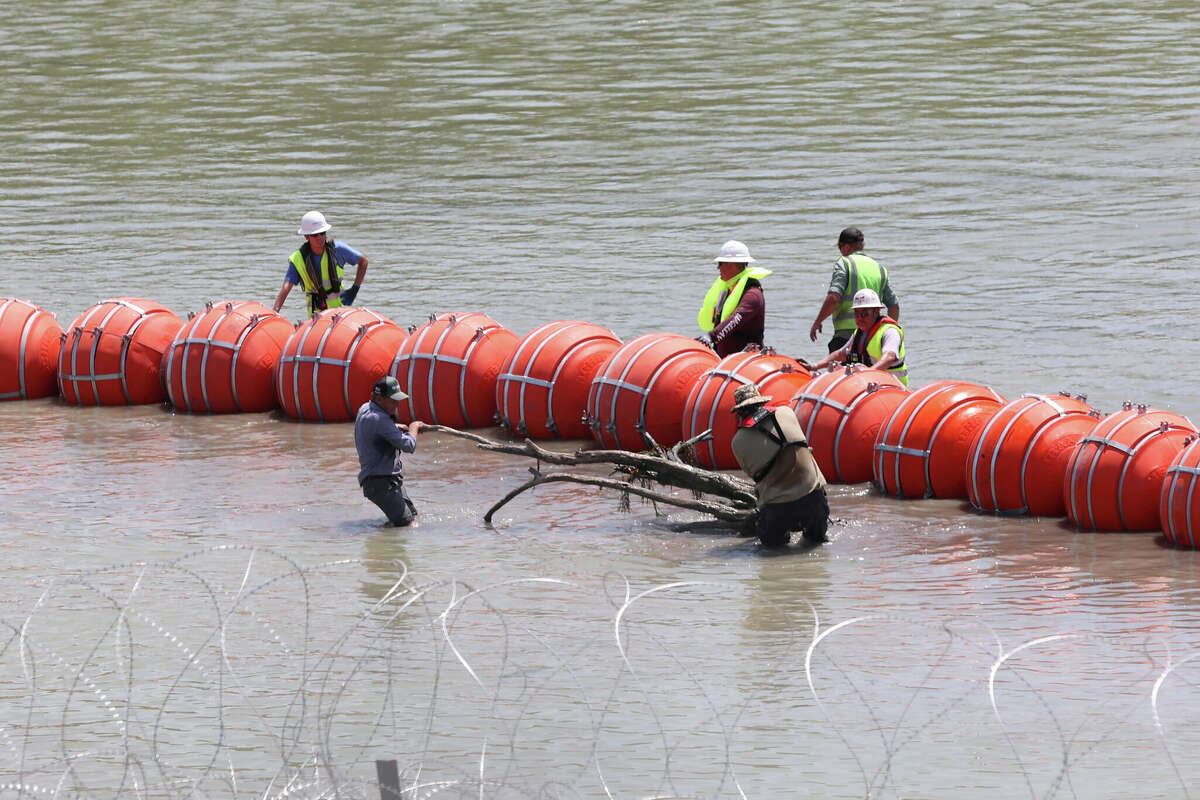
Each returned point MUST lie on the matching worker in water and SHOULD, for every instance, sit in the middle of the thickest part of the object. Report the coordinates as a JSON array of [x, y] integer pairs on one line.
[[734, 312], [854, 270], [771, 448], [380, 440], [878, 340], [319, 265]]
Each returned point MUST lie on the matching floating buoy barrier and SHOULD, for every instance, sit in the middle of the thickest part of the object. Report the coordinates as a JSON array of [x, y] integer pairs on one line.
[[644, 386], [224, 359], [542, 388], [1018, 459], [922, 448], [1179, 502], [709, 404], [30, 339], [112, 353], [841, 413], [449, 367], [1114, 478], [330, 363]]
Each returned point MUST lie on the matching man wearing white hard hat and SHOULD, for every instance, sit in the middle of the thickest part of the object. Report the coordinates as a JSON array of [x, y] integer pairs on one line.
[[734, 311], [319, 265], [854, 270], [878, 340], [380, 440]]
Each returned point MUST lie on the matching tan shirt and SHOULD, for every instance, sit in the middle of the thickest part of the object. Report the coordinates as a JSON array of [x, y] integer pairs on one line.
[[794, 473]]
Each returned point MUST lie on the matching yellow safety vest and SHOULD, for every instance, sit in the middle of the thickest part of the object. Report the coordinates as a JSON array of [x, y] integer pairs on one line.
[[723, 297], [862, 272], [331, 286], [875, 347]]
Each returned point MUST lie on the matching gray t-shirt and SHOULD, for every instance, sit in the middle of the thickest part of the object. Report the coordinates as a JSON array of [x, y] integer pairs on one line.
[[379, 442]]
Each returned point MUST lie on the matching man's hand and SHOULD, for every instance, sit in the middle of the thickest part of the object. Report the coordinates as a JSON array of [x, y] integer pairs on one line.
[[814, 330], [706, 340], [349, 295], [414, 427]]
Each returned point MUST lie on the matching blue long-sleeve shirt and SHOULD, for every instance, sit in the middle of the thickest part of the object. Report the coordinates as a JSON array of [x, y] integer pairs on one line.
[[379, 442]]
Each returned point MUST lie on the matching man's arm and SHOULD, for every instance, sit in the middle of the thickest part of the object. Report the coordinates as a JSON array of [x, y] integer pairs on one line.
[[283, 293], [827, 307]]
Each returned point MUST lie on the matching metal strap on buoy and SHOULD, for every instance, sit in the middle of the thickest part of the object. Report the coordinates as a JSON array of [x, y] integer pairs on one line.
[[973, 463], [727, 377], [847, 415], [525, 379], [1108, 440], [206, 342], [22, 390], [882, 448], [414, 354], [823, 400], [1171, 486], [621, 383], [126, 338]]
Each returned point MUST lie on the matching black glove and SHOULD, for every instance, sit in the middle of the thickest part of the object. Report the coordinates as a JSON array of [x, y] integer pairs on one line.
[[706, 340], [349, 295]]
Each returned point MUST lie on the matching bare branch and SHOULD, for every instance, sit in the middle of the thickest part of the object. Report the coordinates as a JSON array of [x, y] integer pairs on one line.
[[738, 491], [718, 510]]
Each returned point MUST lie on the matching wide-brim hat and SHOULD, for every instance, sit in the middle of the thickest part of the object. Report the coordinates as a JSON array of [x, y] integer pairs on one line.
[[747, 396], [734, 252]]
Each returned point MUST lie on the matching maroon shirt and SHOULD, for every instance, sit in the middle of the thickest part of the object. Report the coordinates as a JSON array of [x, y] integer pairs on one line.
[[745, 325]]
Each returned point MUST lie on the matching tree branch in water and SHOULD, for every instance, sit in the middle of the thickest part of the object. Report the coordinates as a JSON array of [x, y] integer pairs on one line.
[[738, 512]]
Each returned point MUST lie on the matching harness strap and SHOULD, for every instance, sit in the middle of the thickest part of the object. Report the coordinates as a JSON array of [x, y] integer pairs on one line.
[[755, 421], [318, 298]]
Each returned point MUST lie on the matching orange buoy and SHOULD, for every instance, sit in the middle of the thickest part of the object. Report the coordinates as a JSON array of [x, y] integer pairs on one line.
[[30, 338], [542, 388], [1114, 477], [113, 352], [330, 362], [841, 412], [644, 386], [449, 367], [224, 359], [709, 404], [921, 451], [1179, 502], [1017, 460]]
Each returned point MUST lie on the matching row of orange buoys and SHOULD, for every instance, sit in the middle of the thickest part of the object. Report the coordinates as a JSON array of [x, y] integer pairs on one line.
[[1136, 469]]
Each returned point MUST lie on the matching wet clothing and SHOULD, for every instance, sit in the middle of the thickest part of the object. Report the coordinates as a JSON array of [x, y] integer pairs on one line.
[[771, 448], [387, 492], [809, 514], [379, 443]]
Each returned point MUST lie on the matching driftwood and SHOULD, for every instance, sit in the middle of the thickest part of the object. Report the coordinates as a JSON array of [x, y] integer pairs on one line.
[[733, 510]]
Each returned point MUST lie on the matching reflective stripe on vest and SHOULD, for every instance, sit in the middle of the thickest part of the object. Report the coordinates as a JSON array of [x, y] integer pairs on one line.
[[724, 295], [864, 272], [874, 348], [327, 293]]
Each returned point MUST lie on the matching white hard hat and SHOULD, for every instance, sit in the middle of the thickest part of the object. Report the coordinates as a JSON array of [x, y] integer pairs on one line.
[[313, 222], [734, 251], [866, 298]]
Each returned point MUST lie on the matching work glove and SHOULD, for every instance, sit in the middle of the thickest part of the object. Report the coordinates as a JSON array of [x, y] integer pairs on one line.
[[349, 295], [706, 340]]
